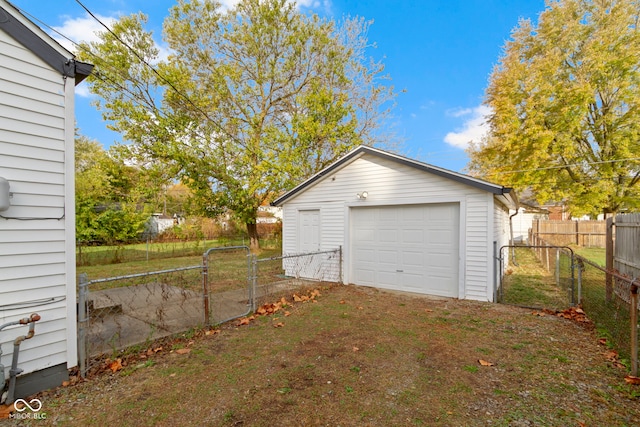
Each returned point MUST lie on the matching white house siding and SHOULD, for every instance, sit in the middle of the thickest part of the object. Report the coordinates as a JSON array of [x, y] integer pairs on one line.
[[391, 183], [37, 253]]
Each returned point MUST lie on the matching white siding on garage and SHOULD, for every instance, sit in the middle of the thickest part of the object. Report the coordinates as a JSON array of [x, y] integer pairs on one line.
[[477, 245], [501, 231], [390, 183], [34, 260], [502, 234]]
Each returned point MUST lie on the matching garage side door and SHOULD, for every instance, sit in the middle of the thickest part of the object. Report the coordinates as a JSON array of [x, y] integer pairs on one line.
[[410, 248]]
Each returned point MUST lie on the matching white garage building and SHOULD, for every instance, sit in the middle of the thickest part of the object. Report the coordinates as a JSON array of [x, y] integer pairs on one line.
[[403, 224]]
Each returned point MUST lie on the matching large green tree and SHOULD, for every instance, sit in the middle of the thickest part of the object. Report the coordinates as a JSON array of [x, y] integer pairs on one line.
[[565, 100], [249, 102], [109, 205]]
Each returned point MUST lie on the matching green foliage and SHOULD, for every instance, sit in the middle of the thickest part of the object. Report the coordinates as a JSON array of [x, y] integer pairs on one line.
[[250, 102], [566, 111], [107, 200]]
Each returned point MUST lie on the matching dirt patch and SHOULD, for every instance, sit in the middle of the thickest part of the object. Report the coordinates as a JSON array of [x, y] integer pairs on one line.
[[360, 356]]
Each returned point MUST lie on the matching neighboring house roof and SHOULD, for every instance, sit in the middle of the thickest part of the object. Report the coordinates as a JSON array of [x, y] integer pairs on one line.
[[41, 44], [362, 150]]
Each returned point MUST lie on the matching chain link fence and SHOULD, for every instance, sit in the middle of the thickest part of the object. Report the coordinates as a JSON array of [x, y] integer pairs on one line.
[[119, 313], [541, 277], [551, 277], [277, 276], [610, 309]]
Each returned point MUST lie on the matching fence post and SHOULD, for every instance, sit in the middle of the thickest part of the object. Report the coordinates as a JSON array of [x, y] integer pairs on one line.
[[609, 259], [254, 278], [495, 272], [205, 286], [634, 329], [546, 253], [557, 267], [340, 266], [580, 266], [83, 288]]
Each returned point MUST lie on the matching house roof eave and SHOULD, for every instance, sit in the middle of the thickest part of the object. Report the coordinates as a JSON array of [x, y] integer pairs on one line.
[[42, 45]]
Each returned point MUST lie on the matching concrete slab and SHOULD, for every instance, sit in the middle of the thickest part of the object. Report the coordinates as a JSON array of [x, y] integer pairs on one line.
[[131, 315]]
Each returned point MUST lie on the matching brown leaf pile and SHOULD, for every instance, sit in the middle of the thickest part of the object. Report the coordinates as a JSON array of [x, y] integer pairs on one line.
[[575, 314], [272, 308]]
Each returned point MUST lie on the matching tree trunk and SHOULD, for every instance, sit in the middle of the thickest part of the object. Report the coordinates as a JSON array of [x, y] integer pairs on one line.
[[254, 242]]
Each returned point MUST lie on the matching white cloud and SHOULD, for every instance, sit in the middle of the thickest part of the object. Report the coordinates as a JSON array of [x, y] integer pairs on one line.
[[459, 112], [82, 90], [314, 4], [473, 129], [81, 29], [86, 29], [309, 4]]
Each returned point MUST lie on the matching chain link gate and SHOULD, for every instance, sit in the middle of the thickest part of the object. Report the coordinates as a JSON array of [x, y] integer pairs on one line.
[[522, 276], [228, 278]]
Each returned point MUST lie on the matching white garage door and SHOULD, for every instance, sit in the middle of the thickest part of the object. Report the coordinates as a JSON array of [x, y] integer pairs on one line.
[[410, 248]]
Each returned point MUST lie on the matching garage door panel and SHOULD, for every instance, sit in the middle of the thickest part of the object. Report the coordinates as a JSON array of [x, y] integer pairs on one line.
[[365, 235], [362, 256], [413, 282], [387, 256], [413, 236], [365, 277], [386, 215], [442, 212], [439, 260], [386, 235], [415, 259], [412, 248], [387, 279]]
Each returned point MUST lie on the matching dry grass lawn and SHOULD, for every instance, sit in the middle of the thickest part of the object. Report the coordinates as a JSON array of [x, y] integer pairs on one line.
[[364, 357]]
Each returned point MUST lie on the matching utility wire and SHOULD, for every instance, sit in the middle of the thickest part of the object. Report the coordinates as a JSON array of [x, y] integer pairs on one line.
[[103, 77], [573, 164], [182, 95]]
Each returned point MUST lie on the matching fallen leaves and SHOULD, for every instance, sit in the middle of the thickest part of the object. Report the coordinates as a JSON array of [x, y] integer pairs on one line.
[[575, 314], [612, 356], [483, 362], [281, 305], [630, 379], [116, 365], [183, 351], [7, 410]]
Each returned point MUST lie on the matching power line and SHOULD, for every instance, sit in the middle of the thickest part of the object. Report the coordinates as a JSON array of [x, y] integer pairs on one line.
[[125, 75], [103, 77], [568, 165], [182, 95]]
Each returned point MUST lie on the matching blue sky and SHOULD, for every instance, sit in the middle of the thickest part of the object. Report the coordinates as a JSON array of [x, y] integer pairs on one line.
[[439, 53]]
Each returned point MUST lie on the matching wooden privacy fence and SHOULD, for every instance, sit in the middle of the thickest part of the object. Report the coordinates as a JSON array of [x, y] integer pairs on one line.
[[562, 233], [626, 247]]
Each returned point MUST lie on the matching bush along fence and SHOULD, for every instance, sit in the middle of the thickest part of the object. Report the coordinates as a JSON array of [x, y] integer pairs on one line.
[[607, 296], [119, 313]]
